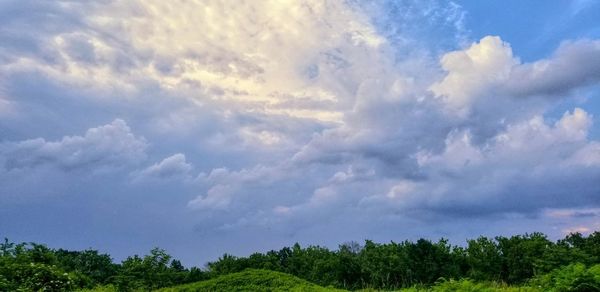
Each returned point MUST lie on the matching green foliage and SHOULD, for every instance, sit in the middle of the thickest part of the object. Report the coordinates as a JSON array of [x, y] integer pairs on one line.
[[98, 267], [35, 267], [574, 277], [32, 267], [584, 249], [466, 285], [251, 280], [153, 271], [522, 256], [105, 288], [512, 260], [570, 264], [484, 259], [41, 277]]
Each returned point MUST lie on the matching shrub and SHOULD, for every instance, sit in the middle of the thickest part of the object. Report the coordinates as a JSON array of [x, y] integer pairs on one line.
[[574, 277]]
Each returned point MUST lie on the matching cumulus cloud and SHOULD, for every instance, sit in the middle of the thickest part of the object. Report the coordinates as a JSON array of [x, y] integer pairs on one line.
[[111, 145], [425, 163], [573, 65], [174, 166], [471, 72], [217, 198], [488, 70], [509, 167]]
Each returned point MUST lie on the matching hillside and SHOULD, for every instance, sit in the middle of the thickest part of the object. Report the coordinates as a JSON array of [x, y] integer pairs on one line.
[[251, 280]]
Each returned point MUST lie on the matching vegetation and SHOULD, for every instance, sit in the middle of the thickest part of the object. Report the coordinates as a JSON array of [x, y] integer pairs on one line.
[[527, 262], [251, 280], [34, 267]]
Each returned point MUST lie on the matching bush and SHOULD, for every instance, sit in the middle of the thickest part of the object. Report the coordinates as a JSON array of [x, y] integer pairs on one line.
[[252, 280], [40, 277], [467, 285], [574, 277]]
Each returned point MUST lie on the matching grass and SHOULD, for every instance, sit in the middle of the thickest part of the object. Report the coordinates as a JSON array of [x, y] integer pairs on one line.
[[251, 280], [264, 280], [466, 285]]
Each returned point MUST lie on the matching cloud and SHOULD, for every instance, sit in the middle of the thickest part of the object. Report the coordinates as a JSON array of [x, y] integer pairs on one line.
[[471, 72], [577, 229], [570, 213], [111, 145], [516, 171], [300, 116], [5, 107], [574, 64], [488, 69], [425, 162], [174, 166], [263, 67], [217, 198]]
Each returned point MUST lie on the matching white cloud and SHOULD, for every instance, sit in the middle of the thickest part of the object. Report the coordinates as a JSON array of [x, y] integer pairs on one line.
[[174, 166], [265, 57], [589, 155], [574, 64], [401, 189], [398, 152], [471, 72], [459, 152], [509, 166], [217, 198], [488, 71], [111, 145]]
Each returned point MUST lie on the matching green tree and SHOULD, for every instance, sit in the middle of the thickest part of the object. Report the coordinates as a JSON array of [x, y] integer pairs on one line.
[[522, 256], [98, 267], [484, 259]]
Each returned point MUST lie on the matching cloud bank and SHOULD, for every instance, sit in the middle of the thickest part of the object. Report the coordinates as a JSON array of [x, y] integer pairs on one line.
[[318, 121]]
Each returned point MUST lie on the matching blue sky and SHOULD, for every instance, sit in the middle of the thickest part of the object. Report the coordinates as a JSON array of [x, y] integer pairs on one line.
[[533, 28], [228, 126]]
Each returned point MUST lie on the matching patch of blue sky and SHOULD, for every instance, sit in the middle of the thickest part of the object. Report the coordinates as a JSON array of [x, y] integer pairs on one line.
[[533, 28]]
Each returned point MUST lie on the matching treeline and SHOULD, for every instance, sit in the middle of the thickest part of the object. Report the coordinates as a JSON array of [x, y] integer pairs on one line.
[[35, 267], [511, 260]]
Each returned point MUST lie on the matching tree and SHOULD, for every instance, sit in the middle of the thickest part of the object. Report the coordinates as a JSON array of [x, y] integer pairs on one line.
[[521, 255], [98, 267], [484, 259]]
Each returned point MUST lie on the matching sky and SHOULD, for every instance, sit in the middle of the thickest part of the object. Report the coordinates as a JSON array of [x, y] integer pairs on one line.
[[211, 127]]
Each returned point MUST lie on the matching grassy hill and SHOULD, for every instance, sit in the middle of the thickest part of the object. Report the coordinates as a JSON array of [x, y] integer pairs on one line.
[[251, 280]]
